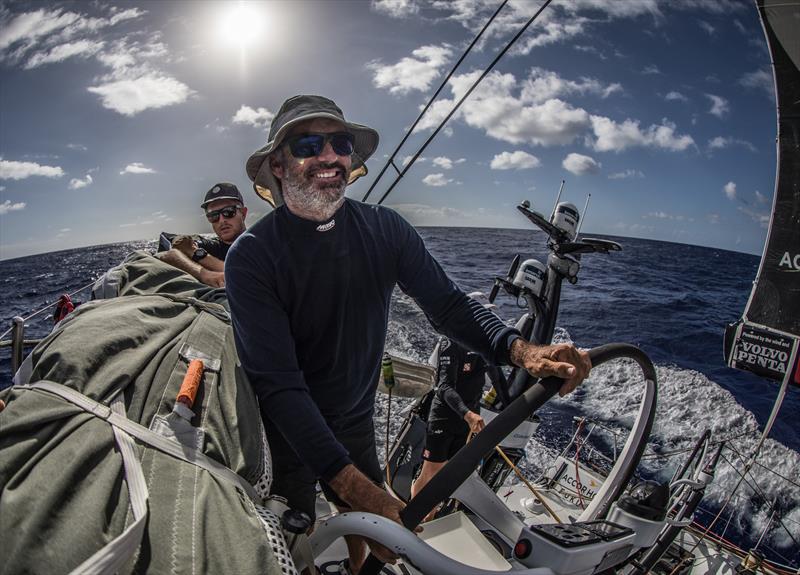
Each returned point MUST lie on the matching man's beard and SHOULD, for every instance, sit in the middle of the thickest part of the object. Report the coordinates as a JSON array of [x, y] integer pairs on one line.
[[312, 199]]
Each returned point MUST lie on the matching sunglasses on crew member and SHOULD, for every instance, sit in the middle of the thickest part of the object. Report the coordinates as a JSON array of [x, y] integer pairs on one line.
[[311, 145], [227, 212]]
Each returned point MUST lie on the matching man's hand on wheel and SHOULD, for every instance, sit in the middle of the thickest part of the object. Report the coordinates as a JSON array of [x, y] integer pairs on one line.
[[561, 360]]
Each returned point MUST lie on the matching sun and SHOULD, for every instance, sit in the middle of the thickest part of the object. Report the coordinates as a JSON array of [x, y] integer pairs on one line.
[[242, 24]]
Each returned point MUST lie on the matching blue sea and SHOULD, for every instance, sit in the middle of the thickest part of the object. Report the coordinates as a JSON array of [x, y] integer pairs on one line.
[[671, 300]]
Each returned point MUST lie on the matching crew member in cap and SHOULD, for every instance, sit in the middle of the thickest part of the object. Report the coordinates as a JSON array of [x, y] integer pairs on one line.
[[204, 257], [309, 287]]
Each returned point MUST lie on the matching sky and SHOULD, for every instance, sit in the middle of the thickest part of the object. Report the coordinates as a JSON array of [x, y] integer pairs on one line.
[[116, 118]]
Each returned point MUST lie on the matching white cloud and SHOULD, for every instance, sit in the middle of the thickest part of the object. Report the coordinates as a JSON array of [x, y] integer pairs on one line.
[[720, 143], [135, 81], [137, 168], [420, 160], [79, 147], [411, 73], [761, 198], [396, 8], [730, 190], [76, 184], [626, 174], [719, 105], [64, 230], [7, 206], [708, 28], [436, 180], [131, 96], [82, 48], [52, 35], [712, 218], [760, 80], [675, 96], [446, 163], [494, 108], [650, 70], [561, 22], [542, 85], [589, 49], [25, 29], [661, 215], [760, 218], [258, 118], [12, 170], [517, 160], [579, 164], [611, 136]]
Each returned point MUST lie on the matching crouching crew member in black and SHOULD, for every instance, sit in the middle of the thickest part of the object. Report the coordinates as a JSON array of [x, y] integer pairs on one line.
[[455, 410]]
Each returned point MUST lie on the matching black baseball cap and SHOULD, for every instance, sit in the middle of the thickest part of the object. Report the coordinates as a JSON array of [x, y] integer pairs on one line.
[[222, 191]]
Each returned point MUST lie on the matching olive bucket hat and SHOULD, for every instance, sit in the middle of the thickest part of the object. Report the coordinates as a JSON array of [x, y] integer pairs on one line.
[[293, 111]]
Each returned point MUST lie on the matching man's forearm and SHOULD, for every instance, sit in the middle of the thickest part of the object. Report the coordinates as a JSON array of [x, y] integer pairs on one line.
[[361, 494], [178, 259], [212, 263]]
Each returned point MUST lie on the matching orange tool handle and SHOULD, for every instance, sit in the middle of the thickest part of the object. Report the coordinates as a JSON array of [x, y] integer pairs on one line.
[[191, 383]]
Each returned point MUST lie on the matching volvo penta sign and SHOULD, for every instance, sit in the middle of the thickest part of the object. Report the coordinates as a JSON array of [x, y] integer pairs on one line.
[[763, 352]]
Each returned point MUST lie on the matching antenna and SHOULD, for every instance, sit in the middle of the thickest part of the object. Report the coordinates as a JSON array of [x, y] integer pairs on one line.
[[583, 216], [558, 197]]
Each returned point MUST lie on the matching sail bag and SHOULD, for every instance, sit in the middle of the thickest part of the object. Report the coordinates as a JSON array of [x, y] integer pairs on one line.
[[88, 482]]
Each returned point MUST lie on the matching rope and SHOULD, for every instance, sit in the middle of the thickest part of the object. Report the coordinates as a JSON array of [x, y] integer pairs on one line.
[[527, 484], [386, 455], [578, 445]]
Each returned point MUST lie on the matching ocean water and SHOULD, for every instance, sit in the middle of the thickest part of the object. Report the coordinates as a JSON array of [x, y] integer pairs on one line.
[[671, 300]]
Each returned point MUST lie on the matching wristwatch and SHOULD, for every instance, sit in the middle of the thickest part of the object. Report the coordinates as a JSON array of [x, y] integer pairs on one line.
[[199, 254]]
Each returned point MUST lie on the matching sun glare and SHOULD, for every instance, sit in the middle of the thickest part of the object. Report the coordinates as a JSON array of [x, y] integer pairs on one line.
[[242, 24]]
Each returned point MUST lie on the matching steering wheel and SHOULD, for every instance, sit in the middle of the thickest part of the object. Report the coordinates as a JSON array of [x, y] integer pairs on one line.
[[441, 486]]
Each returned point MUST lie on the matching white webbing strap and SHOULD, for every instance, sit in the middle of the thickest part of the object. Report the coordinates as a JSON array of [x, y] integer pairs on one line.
[[163, 444], [113, 556]]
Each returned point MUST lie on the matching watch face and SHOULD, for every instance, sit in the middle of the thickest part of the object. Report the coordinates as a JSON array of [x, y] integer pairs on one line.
[[199, 254]]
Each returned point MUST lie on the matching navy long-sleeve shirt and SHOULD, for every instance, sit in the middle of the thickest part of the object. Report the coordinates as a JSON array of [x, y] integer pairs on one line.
[[461, 376], [310, 306]]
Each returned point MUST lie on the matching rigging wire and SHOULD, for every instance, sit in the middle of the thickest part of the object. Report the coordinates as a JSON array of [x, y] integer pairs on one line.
[[390, 161], [463, 98], [742, 479], [46, 307], [758, 490]]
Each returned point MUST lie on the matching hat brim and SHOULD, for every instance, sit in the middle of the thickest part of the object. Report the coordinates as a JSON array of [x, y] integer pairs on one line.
[[365, 142], [204, 204]]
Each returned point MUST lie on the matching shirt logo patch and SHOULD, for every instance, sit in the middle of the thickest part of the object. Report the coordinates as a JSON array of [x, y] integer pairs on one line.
[[467, 367], [326, 227]]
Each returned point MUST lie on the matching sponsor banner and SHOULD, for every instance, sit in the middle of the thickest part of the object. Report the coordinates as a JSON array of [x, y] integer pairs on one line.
[[764, 353], [574, 481]]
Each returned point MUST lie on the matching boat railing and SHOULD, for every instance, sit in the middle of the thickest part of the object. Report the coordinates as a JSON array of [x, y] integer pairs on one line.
[[18, 343]]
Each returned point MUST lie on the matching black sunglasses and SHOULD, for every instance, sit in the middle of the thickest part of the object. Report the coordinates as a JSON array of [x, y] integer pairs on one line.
[[227, 212], [310, 145]]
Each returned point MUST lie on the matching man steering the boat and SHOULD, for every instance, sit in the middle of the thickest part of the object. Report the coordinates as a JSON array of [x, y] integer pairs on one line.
[[309, 288], [204, 258]]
